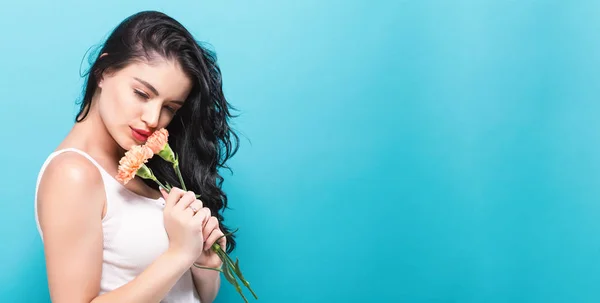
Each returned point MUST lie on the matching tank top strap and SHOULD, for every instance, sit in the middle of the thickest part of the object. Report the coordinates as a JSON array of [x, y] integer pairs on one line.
[[111, 185], [108, 181], [76, 150]]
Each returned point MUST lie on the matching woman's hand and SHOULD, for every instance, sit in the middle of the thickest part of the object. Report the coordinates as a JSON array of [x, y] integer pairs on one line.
[[184, 220], [191, 228], [211, 233]]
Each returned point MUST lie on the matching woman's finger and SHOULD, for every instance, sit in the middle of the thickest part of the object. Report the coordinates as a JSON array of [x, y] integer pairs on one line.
[[210, 240], [195, 207], [211, 224], [174, 195], [201, 217], [223, 243], [185, 201]]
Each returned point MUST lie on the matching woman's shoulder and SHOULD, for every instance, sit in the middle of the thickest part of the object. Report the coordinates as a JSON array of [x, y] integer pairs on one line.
[[69, 197], [69, 172], [73, 167]]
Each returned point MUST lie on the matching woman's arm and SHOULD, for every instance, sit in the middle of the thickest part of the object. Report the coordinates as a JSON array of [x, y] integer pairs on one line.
[[71, 199], [207, 283]]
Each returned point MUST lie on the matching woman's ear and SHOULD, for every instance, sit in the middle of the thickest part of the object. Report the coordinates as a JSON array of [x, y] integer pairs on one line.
[[101, 76]]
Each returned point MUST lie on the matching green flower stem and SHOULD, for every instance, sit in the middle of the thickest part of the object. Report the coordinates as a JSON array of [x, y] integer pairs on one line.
[[161, 185], [215, 247], [236, 268], [238, 271], [229, 268], [209, 268], [146, 173], [178, 171], [233, 281]]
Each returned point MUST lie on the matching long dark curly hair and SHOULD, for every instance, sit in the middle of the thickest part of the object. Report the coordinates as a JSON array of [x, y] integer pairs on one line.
[[200, 132]]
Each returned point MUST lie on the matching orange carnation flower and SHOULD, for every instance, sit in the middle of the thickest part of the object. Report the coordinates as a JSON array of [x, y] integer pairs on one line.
[[157, 141], [133, 160]]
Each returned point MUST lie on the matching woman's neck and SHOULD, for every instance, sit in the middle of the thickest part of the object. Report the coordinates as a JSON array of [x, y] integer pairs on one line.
[[91, 136]]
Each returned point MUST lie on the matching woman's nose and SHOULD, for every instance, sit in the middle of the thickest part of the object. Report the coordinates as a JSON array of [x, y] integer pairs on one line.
[[151, 114]]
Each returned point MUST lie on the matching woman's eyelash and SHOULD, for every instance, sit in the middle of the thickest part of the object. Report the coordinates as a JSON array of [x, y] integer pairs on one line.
[[137, 92], [143, 95]]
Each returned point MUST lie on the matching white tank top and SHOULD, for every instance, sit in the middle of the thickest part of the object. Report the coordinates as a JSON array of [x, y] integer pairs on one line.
[[134, 235]]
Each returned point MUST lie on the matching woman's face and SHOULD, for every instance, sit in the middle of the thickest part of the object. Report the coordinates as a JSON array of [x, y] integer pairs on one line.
[[141, 98]]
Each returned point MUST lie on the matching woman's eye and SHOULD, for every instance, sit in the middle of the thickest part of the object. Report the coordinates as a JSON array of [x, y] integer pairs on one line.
[[141, 94], [172, 110]]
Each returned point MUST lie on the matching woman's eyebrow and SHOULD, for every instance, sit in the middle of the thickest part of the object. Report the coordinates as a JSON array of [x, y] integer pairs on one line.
[[148, 85]]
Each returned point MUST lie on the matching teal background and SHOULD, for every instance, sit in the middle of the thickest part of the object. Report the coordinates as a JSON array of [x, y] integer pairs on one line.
[[393, 151]]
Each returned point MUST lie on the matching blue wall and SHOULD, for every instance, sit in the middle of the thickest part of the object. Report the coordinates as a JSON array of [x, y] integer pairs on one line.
[[393, 151]]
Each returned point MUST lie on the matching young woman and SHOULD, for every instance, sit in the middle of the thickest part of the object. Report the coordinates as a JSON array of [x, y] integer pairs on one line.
[[106, 241]]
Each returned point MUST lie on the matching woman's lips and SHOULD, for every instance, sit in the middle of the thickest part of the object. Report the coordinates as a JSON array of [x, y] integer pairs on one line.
[[139, 134]]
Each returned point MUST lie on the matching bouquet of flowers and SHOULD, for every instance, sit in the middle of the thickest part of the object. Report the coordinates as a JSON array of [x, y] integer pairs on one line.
[[133, 164]]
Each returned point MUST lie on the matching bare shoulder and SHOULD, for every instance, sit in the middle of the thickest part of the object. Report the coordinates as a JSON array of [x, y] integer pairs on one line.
[[73, 167], [70, 203], [71, 182]]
